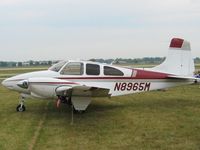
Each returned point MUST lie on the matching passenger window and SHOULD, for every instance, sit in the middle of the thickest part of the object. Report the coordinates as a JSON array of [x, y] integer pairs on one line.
[[73, 68], [92, 69], [112, 71]]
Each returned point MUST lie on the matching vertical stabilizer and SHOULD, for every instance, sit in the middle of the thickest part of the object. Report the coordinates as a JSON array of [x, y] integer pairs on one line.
[[179, 60]]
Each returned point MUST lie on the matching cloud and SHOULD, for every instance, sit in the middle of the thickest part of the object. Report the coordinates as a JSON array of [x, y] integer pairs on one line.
[[11, 2], [102, 28]]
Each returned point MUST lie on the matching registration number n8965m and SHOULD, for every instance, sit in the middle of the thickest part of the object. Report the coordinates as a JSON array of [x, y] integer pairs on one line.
[[132, 86]]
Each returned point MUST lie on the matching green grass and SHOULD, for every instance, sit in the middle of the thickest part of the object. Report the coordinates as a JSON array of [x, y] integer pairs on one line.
[[151, 120], [8, 72]]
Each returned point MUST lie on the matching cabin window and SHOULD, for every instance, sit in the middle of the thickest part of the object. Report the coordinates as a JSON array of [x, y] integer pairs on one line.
[[92, 69], [110, 71], [73, 68]]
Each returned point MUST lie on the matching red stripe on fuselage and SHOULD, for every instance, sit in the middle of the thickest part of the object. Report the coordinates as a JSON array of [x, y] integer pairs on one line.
[[143, 74], [55, 82]]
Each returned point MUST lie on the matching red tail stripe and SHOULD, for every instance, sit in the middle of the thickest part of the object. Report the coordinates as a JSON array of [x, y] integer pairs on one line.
[[176, 43]]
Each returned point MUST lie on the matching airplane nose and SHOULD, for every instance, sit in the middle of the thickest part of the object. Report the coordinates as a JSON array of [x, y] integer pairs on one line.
[[4, 82]]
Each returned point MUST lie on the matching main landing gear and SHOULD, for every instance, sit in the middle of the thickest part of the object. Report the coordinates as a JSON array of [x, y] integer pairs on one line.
[[68, 101], [21, 107], [63, 99]]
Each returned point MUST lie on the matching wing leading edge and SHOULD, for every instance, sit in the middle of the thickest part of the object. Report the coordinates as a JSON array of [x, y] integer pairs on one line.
[[44, 86]]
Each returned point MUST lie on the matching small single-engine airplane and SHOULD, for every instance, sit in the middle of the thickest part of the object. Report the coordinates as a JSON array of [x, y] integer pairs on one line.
[[77, 82]]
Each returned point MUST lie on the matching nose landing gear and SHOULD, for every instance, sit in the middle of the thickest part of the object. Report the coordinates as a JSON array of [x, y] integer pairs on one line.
[[21, 107]]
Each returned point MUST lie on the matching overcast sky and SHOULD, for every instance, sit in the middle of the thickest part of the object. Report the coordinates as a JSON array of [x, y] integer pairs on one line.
[[83, 29]]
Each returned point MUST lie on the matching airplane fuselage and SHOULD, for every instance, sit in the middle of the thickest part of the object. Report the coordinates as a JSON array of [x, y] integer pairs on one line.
[[125, 81]]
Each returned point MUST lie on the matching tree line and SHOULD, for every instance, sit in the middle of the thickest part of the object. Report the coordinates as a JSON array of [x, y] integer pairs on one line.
[[145, 60], [25, 63]]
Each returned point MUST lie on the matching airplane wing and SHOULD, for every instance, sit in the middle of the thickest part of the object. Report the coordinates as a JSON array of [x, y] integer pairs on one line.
[[43, 86]]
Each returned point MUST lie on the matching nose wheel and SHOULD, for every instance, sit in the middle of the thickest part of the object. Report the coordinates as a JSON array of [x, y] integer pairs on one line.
[[21, 107]]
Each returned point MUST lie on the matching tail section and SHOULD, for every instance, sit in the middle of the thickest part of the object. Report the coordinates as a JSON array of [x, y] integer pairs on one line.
[[179, 60]]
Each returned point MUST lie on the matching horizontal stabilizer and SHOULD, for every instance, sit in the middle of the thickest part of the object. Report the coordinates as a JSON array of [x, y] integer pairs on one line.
[[183, 78]]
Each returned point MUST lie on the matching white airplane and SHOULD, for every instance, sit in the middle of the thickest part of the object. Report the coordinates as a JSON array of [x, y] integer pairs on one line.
[[77, 82]]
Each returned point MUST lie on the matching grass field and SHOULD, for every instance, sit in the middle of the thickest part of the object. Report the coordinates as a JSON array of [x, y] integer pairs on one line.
[[8, 72], [151, 120]]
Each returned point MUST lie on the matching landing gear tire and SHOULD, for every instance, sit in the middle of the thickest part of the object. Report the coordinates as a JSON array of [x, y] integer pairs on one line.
[[20, 108]]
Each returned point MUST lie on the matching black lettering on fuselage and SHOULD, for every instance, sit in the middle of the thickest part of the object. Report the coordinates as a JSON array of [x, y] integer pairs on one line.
[[132, 86], [117, 86]]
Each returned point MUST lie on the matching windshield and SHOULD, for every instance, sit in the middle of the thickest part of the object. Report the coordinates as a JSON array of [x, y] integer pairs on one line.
[[57, 66]]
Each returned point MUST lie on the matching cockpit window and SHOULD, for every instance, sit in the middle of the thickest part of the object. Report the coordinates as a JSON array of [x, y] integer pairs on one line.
[[73, 68], [57, 66]]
